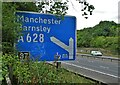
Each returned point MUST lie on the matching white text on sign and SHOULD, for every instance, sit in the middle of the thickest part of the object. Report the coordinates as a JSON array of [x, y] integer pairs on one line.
[[32, 38]]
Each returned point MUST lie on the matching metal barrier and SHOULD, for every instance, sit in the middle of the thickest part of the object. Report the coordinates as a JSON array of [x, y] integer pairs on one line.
[[101, 57]]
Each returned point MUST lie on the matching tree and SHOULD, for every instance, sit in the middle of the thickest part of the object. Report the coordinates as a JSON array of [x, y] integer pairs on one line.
[[26, 6], [60, 7], [98, 42], [84, 38], [103, 35], [10, 28], [9, 33]]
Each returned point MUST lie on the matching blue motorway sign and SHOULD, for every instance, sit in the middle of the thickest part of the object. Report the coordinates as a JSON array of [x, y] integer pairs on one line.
[[45, 36]]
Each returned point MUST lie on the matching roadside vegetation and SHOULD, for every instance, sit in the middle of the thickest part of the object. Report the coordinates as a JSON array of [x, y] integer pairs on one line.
[[102, 36], [34, 72]]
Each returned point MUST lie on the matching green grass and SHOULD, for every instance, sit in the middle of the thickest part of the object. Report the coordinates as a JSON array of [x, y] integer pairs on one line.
[[65, 76], [70, 77]]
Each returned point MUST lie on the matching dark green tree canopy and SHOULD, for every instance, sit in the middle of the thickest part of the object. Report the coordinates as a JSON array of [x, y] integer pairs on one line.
[[103, 35]]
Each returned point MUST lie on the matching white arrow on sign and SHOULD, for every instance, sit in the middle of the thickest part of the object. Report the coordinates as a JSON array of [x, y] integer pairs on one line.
[[64, 46]]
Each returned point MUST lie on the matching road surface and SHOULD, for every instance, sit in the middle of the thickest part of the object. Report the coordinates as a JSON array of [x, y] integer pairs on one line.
[[101, 70]]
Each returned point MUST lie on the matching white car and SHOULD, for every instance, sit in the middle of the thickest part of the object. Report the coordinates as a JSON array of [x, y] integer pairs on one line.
[[96, 53]]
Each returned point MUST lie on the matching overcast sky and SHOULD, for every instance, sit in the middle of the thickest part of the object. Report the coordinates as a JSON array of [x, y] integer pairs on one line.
[[104, 10]]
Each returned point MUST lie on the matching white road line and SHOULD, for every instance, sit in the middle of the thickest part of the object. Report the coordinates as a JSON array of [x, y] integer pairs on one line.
[[104, 67], [90, 61], [91, 70]]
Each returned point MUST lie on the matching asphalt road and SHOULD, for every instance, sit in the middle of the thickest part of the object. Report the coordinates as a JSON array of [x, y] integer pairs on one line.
[[101, 70]]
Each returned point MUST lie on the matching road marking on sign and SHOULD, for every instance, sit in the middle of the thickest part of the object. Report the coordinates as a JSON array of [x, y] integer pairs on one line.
[[92, 70], [64, 46]]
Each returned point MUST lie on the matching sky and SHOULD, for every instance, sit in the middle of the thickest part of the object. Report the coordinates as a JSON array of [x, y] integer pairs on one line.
[[104, 10]]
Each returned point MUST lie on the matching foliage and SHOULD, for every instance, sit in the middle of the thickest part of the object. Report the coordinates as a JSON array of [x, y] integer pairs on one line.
[[26, 6], [103, 35], [60, 7], [56, 8], [87, 8], [10, 28], [38, 72]]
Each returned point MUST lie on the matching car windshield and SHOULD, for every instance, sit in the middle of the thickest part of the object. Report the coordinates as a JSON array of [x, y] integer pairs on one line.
[[98, 52]]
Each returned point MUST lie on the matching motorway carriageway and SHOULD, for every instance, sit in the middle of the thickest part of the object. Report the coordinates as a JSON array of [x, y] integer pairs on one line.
[[104, 71]]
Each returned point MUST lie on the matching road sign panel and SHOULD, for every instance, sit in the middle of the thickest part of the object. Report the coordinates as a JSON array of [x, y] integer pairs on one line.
[[45, 35]]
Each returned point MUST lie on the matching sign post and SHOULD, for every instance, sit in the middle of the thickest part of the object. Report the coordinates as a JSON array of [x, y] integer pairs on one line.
[[58, 64], [44, 35]]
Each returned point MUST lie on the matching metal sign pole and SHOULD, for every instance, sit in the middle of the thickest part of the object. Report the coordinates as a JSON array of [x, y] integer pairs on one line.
[[58, 64]]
